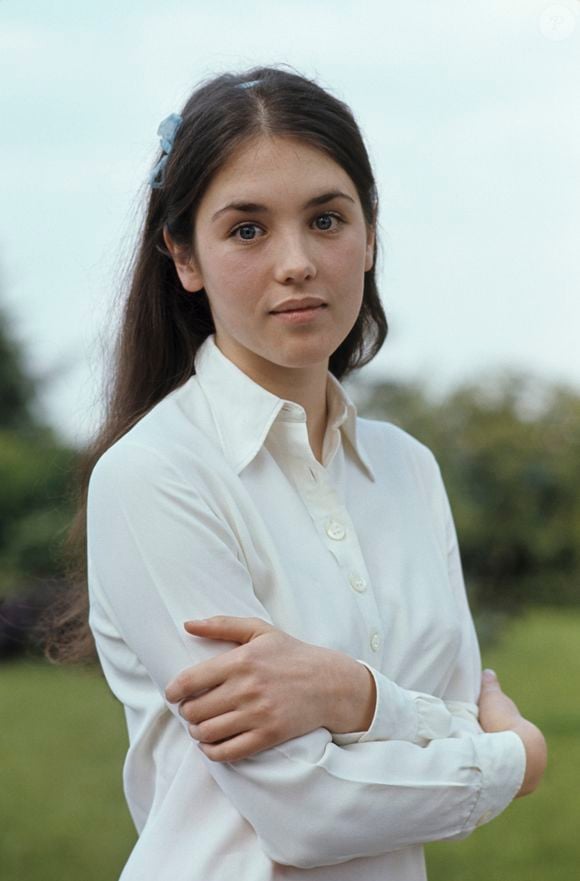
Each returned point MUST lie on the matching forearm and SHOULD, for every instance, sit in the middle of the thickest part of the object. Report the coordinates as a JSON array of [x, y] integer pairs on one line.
[[353, 700], [400, 794], [366, 705]]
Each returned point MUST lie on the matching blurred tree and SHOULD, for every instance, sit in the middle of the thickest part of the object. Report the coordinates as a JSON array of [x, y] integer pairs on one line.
[[34, 508], [17, 390], [35, 470], [509, 451]]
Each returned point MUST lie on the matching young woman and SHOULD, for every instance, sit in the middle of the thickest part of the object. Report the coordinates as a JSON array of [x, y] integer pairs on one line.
[[322, 722]]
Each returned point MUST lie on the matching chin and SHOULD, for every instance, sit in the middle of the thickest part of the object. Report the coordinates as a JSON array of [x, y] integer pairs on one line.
[[312, 347], [309, 356]]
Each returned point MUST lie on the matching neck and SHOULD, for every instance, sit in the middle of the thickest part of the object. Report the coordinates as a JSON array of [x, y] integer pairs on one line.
[[307, 387], [302, 385]]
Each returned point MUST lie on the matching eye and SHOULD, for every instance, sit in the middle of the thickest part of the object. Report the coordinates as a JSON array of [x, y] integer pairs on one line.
[[243, 228], [327, 215]]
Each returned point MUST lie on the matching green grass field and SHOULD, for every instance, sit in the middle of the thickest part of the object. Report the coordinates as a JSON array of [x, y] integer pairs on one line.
[[62, 743]]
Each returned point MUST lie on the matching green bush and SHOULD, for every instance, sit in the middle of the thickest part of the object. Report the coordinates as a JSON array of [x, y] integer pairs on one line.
[[35, 510], [509, 451]]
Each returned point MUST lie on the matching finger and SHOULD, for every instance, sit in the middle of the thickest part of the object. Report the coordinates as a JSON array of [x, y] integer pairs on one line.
[[229, 628], [213, 703], [490, 681], [219, 728], [200, 677], [240, 747]]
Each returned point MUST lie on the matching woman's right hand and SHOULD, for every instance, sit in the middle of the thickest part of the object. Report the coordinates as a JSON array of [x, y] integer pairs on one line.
[[497, 712]]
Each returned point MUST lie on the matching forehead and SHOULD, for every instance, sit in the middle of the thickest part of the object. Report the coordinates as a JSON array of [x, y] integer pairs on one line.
[[268, 168]]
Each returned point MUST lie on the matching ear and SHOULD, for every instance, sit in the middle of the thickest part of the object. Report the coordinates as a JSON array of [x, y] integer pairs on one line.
[[185, 266], [369, 249]]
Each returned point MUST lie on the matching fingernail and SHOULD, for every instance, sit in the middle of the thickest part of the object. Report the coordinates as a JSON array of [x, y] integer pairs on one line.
[[489, 674], [195, 621]]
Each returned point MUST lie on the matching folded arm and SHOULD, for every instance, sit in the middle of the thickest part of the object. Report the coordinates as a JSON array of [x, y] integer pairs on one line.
[[158, 555]]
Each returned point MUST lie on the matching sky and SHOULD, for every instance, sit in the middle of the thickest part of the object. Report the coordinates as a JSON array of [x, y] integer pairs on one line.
[[471, 115]]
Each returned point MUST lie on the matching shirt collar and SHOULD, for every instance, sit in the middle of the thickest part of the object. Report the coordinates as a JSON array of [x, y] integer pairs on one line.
[[244, 411]]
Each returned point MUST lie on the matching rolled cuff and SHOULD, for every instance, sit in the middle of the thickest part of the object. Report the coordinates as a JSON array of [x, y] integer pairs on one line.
[[401, 714]]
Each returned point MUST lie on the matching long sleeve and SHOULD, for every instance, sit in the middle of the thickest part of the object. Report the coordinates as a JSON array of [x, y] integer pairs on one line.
[[159, 554]]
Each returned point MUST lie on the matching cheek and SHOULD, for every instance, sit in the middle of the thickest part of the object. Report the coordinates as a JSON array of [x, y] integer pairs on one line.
[[236, 272], [348, 279], [232, 290], [348, 259]]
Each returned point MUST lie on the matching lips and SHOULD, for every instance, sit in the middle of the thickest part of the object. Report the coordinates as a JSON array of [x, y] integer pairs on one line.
[[299, 305], [302, 309], [298, 317]]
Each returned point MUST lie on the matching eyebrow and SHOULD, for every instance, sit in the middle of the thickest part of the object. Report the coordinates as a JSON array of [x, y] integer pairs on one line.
[[254, 207]]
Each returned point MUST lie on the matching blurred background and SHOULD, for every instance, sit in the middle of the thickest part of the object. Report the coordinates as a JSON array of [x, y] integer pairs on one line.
[[472, 120]]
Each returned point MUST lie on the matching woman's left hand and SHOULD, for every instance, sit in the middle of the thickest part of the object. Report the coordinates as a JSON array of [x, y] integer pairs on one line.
[[270, 689]]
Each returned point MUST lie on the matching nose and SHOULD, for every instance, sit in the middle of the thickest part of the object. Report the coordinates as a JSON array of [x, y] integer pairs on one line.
[[294, 263]]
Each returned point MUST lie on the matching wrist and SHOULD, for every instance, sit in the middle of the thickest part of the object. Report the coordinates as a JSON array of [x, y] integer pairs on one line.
[[355, 700]]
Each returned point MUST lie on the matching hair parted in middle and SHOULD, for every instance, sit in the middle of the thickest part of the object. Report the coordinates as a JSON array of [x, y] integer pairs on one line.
[[161, 324], [218, 118]]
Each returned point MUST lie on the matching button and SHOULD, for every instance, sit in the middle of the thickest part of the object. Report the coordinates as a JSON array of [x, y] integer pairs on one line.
[[375, 642], [335, 530], [358, 583]]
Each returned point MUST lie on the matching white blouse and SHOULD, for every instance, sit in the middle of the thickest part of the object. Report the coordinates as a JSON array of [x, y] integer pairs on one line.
[[213, 503]]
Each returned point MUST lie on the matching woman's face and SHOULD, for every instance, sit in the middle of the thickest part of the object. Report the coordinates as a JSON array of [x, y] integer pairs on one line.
[[291, 236]]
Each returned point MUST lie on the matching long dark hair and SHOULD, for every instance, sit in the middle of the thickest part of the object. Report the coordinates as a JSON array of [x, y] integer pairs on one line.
[[162, 325]]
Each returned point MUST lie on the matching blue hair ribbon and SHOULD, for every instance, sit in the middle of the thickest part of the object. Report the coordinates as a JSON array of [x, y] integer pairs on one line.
[[167, 130]]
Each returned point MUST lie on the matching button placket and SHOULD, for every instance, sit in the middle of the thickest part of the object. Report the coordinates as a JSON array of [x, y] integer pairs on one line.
[[327, 509]]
